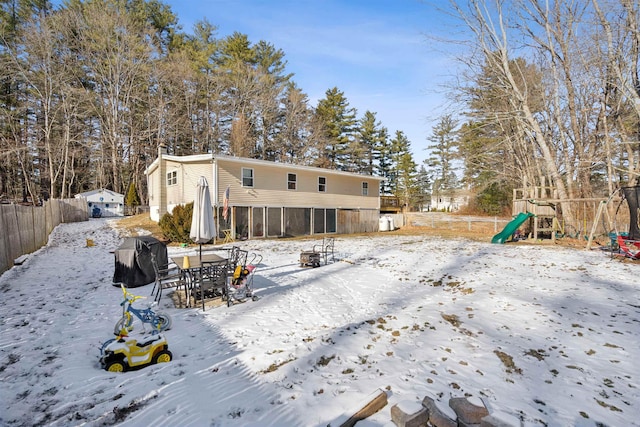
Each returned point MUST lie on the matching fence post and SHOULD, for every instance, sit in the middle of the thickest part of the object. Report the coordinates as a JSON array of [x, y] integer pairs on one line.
[[4, 244], [495, 224], [469, 219]]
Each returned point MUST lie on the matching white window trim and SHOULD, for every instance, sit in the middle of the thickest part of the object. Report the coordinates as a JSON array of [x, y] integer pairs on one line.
[[325, 184], [294, 182], [253, 178], [365, 188], [172, 178]]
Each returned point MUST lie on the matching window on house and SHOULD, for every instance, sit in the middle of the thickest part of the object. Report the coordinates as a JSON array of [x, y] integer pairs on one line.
[[365, 188], [247, 177], [172, 178], [291, 181], [322, 184]]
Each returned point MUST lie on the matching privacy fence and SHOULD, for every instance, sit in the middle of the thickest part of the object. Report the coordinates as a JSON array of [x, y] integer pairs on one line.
[[25, 229]]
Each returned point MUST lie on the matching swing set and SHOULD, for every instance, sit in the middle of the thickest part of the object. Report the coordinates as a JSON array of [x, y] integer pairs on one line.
[[627, 244]]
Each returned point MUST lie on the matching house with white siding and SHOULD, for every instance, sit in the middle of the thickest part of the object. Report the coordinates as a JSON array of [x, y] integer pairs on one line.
[[266, 199], [109, 202]]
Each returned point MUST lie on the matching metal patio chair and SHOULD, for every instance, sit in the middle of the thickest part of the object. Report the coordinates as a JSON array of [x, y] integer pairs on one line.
[[167, 277]]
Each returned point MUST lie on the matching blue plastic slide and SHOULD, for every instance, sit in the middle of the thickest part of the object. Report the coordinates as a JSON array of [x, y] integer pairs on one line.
[[511, 227]]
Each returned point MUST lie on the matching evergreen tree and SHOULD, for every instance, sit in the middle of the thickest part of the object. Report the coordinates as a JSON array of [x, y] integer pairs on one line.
[[157, 16], [485, 162], [423, 188], [121, 78], [193, 81], [132, 200], [384, 167], [255, 85], [404, 170], [370, 134], [443, 153], [272, 92], [337, 121]]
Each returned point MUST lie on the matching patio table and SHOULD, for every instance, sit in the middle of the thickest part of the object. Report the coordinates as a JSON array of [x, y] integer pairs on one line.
[[190, 271]]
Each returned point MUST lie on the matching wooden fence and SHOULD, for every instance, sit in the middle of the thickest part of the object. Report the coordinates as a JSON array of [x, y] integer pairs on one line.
[[25, 229], [363, 221]]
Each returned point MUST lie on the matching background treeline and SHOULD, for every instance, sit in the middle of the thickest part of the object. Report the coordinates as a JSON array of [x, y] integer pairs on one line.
[[89, 90], [546, 92]]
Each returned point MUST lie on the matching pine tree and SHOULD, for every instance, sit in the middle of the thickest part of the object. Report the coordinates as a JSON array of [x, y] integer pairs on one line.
[[485, 162], [370, 135], [384, 166], [423, 187], [404, 170], [337, 120], [443, 153], [132, 199]]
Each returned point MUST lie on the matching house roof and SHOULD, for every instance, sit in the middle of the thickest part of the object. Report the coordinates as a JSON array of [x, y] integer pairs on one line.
[[196, 158], [88, 194]]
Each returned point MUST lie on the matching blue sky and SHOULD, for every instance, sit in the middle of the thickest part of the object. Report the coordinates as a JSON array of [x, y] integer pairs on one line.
[[375, 51]]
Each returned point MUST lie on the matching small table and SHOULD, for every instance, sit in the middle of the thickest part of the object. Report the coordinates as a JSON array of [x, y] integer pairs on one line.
[[195, 261], [194, 265]]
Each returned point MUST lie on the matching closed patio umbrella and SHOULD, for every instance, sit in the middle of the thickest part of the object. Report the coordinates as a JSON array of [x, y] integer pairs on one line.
[[203, 227]]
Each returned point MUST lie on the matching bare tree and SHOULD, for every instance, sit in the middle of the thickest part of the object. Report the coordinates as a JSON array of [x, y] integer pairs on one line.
[[622, 49], [492, 40], [116, 56], [581, 123], [35, 62], [296, 122]]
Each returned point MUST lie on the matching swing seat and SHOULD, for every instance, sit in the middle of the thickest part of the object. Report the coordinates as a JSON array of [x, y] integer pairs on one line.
[[630, 248]]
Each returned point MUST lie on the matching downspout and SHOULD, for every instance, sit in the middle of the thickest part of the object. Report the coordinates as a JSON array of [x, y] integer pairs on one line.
[[214, 186], [214, 177], [162, 181]]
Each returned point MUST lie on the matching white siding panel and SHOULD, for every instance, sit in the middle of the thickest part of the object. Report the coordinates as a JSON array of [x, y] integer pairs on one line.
[[188, 174], [270, 188]]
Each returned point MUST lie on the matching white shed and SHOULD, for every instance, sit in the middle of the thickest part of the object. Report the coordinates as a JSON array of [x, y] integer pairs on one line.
[[109, 202]]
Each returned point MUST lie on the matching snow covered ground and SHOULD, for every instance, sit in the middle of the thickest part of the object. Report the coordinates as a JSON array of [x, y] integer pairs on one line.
[[548, 335]]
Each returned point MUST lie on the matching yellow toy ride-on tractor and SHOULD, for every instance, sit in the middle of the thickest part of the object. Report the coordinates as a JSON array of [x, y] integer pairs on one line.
[[125, 353]]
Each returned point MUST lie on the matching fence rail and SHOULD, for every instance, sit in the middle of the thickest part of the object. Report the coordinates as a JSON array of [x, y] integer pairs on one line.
[[25, 229], [579, 229], [455, 222]]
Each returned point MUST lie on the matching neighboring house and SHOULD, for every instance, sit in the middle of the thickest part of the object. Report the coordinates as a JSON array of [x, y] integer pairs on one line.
[[109, 202], [266, 199], [448, 202]]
